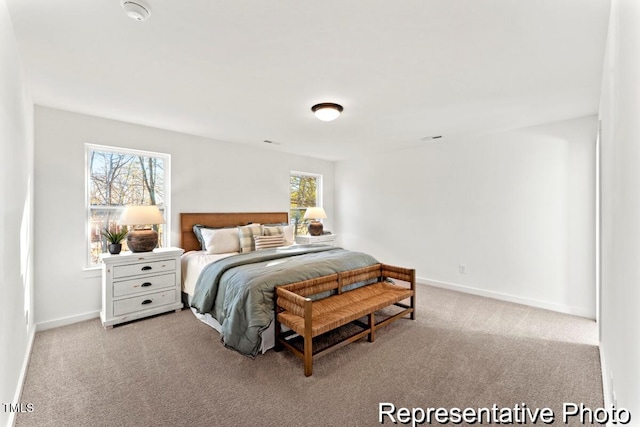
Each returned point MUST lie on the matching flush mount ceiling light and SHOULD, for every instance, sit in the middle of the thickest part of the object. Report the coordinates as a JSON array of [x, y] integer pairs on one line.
[[136, 10], [327, 111]]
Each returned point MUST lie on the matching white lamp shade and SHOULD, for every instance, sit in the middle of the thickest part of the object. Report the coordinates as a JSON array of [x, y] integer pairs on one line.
[[327, 114], [315, 213], [141, 215]]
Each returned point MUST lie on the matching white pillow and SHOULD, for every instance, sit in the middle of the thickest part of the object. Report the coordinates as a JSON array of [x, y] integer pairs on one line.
[[220, 240], [266, 242], [289, 239]]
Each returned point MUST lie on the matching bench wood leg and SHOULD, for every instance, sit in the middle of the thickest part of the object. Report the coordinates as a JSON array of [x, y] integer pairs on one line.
[[308, 356], [413, 297], [308, 338], [413, 305], [278, 345], [372, 327], [278, 330]]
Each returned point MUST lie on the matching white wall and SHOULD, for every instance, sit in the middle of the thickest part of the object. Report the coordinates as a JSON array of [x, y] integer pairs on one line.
[[620, 210], [16, 183], [207, 176], [515, 208]]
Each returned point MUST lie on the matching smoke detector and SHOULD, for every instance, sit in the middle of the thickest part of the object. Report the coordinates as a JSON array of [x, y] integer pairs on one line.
[[136, 10]]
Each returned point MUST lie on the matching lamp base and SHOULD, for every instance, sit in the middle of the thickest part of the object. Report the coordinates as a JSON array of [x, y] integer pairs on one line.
[[315, 228], [142, 240]]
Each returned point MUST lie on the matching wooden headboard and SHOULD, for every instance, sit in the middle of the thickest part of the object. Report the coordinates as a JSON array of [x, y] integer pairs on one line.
[[188, 240]]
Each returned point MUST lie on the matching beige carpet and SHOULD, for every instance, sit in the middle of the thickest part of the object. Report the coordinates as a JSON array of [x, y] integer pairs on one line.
[[171, 370]]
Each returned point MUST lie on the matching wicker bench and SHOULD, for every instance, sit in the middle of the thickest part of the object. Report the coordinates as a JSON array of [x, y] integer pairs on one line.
[[309, 319]]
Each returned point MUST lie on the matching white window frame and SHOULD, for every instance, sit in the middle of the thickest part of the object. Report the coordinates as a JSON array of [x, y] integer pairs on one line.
[[165, 208], [319, 191]]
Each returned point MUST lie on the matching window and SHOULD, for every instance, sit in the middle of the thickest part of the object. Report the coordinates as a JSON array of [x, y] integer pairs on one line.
[[305, 190], [117, 177]]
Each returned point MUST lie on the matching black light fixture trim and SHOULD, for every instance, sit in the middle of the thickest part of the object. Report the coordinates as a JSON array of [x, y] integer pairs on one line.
[[327, 105]]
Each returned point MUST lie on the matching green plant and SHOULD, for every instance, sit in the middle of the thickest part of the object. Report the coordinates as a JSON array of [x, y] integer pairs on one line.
[[115, 237]]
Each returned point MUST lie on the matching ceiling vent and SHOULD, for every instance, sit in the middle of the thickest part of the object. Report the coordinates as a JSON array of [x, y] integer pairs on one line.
[[136, 10]]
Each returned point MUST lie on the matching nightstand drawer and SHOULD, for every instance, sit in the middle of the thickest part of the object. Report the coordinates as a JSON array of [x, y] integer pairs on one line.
[[143, 268], [143, 302], [144, 284]]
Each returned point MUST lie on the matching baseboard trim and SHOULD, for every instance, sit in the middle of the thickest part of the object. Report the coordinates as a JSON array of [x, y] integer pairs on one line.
[[23, 375], [50, 324], [607, 392], [576, 311]]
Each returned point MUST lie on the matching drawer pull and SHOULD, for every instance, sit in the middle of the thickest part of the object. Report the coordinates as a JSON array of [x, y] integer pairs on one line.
[[147, 301], [146, 267], [146, 284]]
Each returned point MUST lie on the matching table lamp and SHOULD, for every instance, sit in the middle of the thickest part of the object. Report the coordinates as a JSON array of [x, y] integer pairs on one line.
[[315, 226], [141, 238]]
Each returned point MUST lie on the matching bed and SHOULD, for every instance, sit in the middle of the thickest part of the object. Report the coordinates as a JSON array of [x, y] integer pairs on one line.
[[231, 287]]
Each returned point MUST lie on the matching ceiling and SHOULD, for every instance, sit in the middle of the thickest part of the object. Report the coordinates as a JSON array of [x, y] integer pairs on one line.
[[247, 71]]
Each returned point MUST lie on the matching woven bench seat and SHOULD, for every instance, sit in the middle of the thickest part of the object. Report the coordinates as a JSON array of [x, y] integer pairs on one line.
[[330, 313], [310, 318]]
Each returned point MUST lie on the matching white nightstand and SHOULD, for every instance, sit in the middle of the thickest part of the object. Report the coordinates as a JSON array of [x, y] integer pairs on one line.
[[136, 285], [325, 239]]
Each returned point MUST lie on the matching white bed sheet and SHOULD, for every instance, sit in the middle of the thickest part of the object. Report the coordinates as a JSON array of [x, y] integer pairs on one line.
[[192, 264]]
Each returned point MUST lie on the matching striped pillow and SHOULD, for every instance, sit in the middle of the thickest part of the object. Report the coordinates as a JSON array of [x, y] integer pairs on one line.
[[266, 242], [272, 230], [285, 229], [246, 233]]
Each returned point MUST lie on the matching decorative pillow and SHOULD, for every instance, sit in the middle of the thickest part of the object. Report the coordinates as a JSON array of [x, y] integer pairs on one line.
[[286, 230], [220, 240], [272, 230], [245, 234], [198, 233], [289, 234], [265, 242]]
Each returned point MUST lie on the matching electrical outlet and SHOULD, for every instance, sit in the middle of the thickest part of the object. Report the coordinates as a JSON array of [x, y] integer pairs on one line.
[[462, 269]]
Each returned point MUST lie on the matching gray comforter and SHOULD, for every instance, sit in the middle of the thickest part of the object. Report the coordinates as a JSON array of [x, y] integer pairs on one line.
[[238, 290]]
